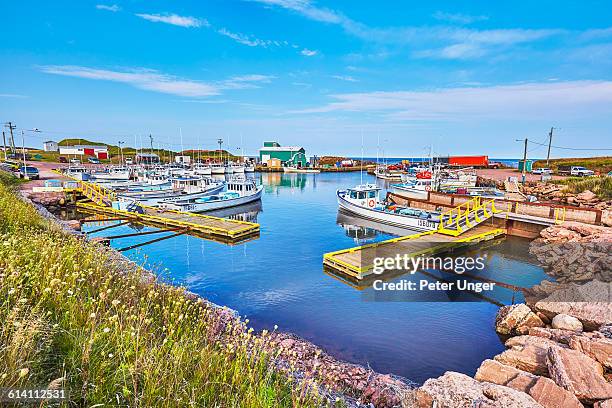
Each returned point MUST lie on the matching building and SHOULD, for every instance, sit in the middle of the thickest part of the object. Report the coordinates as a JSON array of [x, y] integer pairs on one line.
[[182, 159], [287, 155], [147, 158], [101, 152], [50, 146]]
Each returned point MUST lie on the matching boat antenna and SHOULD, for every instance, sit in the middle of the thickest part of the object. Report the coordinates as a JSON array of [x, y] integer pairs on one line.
[[361, 163]]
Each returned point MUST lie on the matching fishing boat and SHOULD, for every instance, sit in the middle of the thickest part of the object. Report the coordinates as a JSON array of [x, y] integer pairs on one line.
[[201, 169], [290, 169], [363, 200], [217, 168], [113, 174], [77, 172], [418, 188], [249, 168], [238, 192], [182, 188], [236, 168]]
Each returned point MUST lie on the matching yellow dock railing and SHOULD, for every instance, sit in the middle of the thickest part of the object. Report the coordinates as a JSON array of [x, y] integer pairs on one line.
[[466, 215], [98, 194]]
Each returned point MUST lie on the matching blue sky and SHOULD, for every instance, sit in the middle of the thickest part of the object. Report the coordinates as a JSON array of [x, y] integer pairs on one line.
[[465, 77]]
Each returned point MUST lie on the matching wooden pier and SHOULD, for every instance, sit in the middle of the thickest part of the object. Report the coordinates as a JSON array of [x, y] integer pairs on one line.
[[205, 226], [357, 262]]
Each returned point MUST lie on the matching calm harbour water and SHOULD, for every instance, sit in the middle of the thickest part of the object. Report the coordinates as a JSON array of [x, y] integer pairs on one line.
[[279, 279]]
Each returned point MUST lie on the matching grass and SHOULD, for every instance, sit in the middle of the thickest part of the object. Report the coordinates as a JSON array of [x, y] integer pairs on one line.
[[601, 186], [601, 164], [72, 318]]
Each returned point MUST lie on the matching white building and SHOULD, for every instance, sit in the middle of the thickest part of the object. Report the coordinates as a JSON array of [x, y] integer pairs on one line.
[[182, 159], [101, 152], [50, 146]]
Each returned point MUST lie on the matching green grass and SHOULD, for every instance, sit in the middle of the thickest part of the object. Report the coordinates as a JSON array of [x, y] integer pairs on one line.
[[601, 186], [71, 315], [601, 164]]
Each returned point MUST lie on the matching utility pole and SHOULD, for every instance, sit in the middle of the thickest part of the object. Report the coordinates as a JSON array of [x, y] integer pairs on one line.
[[220, 141], [121, 152], [25, 168], [4, 144], [12, 141], [151, 138], [549, 143], [524, 178]]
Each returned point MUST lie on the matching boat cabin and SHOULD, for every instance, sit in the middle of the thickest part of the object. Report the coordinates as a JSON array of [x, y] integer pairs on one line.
[[241, 187], [364, 195]]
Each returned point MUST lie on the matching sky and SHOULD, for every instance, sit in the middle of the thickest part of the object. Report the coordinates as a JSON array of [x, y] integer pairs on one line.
[[336, 77]]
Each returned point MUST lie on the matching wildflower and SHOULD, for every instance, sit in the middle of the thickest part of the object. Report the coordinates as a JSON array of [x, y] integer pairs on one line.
[[115, 302], [47, 290], [23, 300], [106, 330], [23, 372], [93, 315], [70, 292], [11, 291], [110, 355]]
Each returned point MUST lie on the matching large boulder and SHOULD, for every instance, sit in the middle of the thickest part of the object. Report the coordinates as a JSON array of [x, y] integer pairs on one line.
[[560, 336], [527, 353], [455, 390], [516, 319], [543, 390], [599, 349], [578, 374], [566, 322], [586, 195]]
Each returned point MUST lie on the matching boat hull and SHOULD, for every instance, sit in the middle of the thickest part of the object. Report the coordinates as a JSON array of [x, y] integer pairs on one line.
[[410, 192], [217, 170], [412, 223], [214, 205], [170, 197]]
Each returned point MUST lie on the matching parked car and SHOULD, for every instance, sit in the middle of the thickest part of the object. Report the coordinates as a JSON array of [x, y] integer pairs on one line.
[[129, 161], [93, 160], [29, 172], [576, 171], [542, 170], [75, 161], [62, 159]]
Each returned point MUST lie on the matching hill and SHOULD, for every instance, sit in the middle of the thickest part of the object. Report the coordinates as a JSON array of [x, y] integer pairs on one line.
[[601, 164]]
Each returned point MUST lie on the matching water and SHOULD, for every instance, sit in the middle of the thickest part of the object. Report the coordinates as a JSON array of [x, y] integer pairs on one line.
[[279, 279]]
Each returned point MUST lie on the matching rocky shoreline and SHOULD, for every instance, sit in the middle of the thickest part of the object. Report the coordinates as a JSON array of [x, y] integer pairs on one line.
[[559, 353]]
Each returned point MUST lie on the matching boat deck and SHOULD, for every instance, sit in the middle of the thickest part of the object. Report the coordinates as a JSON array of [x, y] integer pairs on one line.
[[358, 262], [206, 226]]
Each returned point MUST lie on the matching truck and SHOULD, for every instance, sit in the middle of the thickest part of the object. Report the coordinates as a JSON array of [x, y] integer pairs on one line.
[[468, 161], [576, 171]]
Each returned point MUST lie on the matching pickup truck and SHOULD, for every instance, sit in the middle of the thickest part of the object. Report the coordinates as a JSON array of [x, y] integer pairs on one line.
[[543, 170], [576, 171]]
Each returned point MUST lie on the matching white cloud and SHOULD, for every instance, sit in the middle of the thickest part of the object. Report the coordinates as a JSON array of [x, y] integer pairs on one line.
[[245, 39], [458, 18], [12, 96], [455, 51], [152, 80], [522, 101], [309, 53], [347, 78], [175, 19], [114, 8]]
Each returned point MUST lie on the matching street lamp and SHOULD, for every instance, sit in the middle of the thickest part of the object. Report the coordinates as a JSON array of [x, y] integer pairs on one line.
[[25, 168], [121, 152]]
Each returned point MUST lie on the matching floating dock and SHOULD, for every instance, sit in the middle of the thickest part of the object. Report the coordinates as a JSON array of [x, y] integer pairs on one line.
[[205, 226], [358, 262]]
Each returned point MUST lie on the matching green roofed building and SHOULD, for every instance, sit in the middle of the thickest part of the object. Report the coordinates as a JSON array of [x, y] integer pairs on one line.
[[287, 155]]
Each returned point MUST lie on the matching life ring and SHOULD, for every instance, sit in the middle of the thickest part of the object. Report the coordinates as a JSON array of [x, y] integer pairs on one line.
[[427, 188], [371, 203]]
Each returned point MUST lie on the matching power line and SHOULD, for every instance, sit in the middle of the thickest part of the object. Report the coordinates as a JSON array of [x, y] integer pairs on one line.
[[569, 148]]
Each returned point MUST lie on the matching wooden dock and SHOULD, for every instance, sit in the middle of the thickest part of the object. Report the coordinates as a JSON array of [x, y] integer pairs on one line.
[[205, 226], [357, 262]]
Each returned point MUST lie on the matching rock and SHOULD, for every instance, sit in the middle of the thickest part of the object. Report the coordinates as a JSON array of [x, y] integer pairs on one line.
[[560, 336], [536, 341], [599, 349], [603, 404], [530, 358], [566, 322], [543, 390], [455, 390], [578, 374], [516, 319], [586, 195], [74, 224]]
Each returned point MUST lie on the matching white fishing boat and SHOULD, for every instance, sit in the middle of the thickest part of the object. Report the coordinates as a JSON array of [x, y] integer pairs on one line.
[[291, 169], [249, 168], [238, 192], [237, 168], [363, 201], [77, 172], [113, 174], [217, 168], [182, 188], [202, 169], [418, 188]]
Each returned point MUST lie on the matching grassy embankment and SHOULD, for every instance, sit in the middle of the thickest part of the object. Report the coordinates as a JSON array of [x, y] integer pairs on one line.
[[601, 186], [68, 316], [600, 164]]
